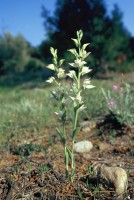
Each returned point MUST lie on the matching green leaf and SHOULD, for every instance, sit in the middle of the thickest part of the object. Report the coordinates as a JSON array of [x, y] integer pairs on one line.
[[62, 138], [75, 132], [72, 172], [69, 152], [63, 118], [55, 95], [80, 194]]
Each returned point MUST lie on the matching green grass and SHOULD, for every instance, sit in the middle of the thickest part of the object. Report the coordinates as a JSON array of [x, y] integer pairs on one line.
[[24, 110], [27, 112]]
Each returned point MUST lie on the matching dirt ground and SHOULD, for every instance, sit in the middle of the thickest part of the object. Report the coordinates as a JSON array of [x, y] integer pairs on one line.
[[39, 174]]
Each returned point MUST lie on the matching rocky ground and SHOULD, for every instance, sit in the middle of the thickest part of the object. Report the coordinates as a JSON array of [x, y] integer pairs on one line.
[[34, 169]]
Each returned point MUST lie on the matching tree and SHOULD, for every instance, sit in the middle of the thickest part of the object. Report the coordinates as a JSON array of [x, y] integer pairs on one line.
[[131, 42], [116, 49], [72, 15], [99, 28], [14, 53]]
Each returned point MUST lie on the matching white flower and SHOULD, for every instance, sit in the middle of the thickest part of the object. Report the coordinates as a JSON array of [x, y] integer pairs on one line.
[[85, 54], [59, 114], [78, 63], [82, 108], [77, 99], [74, 88], [61, 73], [51, 80], [85, 45], [85, 70], [73, 64], [72, 74], [87, 84], [73, 98], [73, 51], [51, 66], [75, 41], [61, 62]]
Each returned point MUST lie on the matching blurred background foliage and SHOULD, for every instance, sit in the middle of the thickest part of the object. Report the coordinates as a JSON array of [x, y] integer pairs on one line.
[[112, 46]]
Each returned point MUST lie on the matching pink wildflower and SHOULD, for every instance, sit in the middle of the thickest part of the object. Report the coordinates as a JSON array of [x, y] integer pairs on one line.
[[111, 103], [115, 87]]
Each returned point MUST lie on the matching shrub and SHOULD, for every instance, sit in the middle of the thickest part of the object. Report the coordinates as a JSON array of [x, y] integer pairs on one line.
[[120, 101]]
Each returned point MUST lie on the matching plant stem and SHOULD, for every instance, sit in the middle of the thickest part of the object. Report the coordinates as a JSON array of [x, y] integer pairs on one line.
[[65, 151], [73, 140], [66, 161], [74, 128]]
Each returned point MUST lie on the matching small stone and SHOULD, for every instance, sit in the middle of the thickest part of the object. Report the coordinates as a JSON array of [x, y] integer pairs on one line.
[[83, 147], [87, 126], [113, 176], [103, 146]]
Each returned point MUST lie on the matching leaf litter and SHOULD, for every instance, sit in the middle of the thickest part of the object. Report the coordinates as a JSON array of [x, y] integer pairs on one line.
[[36, 171]]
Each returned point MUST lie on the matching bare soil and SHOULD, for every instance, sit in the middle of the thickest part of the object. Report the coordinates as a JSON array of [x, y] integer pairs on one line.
[[31, 174]]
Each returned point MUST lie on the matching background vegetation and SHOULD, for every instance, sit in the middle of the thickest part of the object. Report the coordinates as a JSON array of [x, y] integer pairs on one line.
[[112, 46]]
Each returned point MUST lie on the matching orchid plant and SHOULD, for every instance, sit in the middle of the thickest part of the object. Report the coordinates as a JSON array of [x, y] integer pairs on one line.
[[73, 95]]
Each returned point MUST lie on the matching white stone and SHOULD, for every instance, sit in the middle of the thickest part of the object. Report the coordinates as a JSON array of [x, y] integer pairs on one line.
[[115, 176], [87, 126], [83, 146]]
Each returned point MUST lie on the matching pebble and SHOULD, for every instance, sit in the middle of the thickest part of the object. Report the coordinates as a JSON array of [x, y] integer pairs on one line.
[[83, 146], [115, 176], [104, 146], [87, 126]]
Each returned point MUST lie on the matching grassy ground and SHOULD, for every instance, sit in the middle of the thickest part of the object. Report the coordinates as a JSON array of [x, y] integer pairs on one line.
[[26, 108], [27, 123]]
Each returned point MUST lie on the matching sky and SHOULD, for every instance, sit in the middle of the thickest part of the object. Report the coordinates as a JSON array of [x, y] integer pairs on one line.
[[24, 17]]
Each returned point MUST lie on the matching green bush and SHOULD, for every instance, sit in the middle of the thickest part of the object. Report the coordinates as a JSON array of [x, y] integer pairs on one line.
[[14, 53], [34, 65], [126, 67], [119, 101]]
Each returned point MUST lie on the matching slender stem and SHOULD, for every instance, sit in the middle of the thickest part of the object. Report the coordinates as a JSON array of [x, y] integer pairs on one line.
[[74, 128], [65, 151], [79, 75], [73, 140], [64, 130], [66, 161]]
